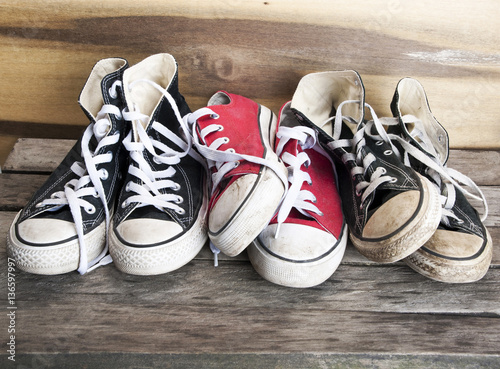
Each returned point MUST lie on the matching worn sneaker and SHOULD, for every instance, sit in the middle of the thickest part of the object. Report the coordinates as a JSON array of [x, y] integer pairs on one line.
[[461, 248], [390, 209], [305, 242], [64, 226], [236, 136], [159, 224]]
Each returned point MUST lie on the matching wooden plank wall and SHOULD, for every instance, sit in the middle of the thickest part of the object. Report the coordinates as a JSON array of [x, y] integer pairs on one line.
[[259, 49]]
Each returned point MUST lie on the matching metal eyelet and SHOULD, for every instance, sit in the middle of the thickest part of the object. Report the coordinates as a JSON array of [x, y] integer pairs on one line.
[[125, 204], [379, 143], [104, 174], [214, 116], [90, 210], [179, 200], [220, 127], [127, 186], [226, 140], [383, 170], [388, 152], [393, 180], [181, 211], [112, 93], [236, 164], [176, 187]]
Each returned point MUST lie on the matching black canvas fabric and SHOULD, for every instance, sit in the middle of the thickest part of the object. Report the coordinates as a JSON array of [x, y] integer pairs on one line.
[[468, 220], [62, 174], [189, 173], [356, 212]]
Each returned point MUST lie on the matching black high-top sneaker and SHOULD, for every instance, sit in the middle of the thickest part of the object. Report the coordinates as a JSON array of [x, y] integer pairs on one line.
[[390, 209], [159, 224], [64, 226], [461, 248]]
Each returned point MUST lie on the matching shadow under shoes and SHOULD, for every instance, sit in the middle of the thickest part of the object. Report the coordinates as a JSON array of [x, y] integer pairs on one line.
[[159, 224], [64, 226], [391, 210], [461, 248]]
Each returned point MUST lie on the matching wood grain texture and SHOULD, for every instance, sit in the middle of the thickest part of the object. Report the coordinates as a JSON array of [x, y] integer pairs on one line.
[[255, 361], [260, 50], [235, 284], [37, 155], [170, 328], [366, 314], [43, 155], [17, 189]]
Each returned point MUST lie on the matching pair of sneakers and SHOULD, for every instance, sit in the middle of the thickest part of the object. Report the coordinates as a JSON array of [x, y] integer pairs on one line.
[[132, 183], [399, 198], [273, 190]]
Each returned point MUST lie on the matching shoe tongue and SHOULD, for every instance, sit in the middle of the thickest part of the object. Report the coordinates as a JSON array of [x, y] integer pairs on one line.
[[150, 212], [291, 147]]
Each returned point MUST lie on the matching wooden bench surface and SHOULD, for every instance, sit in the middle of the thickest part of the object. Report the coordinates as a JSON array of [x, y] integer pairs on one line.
[[201, 316]]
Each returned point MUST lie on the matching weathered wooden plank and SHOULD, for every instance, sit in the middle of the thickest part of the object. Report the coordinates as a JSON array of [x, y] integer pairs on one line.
[[168, 327], [43, 155], [373, 288], [50, 47], [37, 155], [6, 144], [17, 189], [479, 165], [255, 361]]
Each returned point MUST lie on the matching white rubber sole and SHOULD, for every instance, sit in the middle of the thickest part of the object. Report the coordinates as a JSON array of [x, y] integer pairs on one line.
[[452, 271], [54, 259], [409, 239], [260, 205], [163, 258], [296, 274]]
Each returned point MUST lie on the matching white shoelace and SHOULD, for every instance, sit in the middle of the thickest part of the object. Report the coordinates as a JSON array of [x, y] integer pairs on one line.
[[365, 187], [156, 186], [302, 200], [224, 161], [440, 174], [89, 183]]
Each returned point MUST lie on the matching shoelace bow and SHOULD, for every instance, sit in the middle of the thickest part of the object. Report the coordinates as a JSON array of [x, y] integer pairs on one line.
[[155, 187], [302, 200], [89, 181], [440, 174]]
